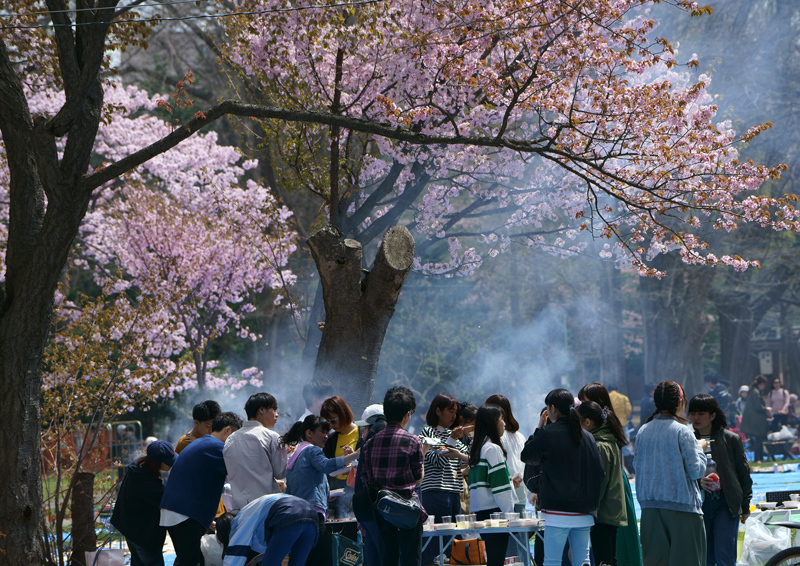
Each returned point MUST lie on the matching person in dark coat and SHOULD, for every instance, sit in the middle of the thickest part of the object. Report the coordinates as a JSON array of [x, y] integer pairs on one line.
[[755, 423], [728, 486], [571, 478], [136, 512]]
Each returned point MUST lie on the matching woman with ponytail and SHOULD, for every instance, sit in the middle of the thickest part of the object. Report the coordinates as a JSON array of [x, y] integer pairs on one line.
[[572, 474], [307, 475], [611, 512], [668, 463], [628, 546]]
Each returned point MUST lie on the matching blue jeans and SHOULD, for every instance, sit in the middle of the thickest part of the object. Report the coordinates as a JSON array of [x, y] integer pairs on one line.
[[296, 541], [556, 537], [439, 503], [372, 553], [141, 556], [722, 531]]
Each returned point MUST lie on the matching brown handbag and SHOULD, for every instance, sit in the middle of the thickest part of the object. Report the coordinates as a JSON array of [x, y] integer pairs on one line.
[[468, 551]]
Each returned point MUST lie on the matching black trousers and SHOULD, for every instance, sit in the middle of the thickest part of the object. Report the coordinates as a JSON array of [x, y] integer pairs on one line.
[[496, 545], [604, 544], [186, 540], [399, 547]]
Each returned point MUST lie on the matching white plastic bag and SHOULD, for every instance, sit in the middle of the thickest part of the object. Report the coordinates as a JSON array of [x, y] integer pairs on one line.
[[761, 542], [107, 557], [211, 549]]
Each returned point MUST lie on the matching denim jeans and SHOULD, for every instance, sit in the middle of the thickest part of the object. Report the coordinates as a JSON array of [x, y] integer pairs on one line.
[[141, 556], [439, 503], [722, 531], [295, 541], [556, 537]]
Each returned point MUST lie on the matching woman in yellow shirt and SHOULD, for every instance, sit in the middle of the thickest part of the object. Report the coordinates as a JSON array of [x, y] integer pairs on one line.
[[344, 433]]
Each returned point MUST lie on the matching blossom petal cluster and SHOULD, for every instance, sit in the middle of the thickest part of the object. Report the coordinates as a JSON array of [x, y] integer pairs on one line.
[[561, 117]]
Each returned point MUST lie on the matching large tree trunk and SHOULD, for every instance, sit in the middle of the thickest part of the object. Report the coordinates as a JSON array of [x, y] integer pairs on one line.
[[741, 307], [675, 322], [357, 310], [39, 241]]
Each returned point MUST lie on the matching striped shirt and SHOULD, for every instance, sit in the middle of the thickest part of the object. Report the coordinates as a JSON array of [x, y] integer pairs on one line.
[[442, 473], [489, 482]]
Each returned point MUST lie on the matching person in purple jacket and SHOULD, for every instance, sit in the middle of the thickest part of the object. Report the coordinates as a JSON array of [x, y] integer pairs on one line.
[[194, 487]]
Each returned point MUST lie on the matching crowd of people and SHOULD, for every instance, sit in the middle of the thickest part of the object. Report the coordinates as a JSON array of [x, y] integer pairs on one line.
[[692, 479]]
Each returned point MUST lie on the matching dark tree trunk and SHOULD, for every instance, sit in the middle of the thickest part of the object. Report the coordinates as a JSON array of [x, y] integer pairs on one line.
[[612, 360], [736, 326], [357, 310], [84, 538], [741, 307], [675, 322], [38, 244]]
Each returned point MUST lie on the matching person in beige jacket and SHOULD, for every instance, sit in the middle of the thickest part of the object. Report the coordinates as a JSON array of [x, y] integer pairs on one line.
[[621, 405]]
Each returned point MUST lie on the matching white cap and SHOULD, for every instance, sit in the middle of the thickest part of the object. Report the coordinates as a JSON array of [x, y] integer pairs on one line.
[[371, 411], [744, 388]]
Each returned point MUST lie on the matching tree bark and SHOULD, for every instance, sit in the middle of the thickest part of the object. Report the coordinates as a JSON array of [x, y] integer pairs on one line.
[[675, 322], [84, 538], [357, 311]]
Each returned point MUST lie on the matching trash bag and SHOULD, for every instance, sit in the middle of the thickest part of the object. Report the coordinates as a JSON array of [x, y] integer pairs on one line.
[[761, 542], [211, 549], [106, 557]]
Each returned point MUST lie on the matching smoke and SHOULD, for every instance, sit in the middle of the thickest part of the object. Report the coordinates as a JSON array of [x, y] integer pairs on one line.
[[524, 365]]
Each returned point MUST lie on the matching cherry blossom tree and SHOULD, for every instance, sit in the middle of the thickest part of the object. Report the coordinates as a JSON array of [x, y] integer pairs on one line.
[[179, 249], [538, 122], [553, 117]]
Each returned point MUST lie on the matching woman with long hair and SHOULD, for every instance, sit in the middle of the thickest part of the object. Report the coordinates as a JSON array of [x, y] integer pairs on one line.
[[513, 443], [611, 511], [572, 474], [307, 474], [137, 510], [755, 416], [490, 488], [668, 463], [728, 486], [628, 546]]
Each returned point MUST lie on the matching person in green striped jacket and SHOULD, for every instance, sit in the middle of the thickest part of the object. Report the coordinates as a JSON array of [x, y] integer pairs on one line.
[[490, 487]]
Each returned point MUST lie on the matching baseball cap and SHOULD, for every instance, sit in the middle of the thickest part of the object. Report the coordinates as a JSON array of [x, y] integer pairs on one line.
[[161, 451], [370, 415]]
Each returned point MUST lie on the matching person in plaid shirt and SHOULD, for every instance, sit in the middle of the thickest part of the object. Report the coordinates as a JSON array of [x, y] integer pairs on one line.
[[392, 459]]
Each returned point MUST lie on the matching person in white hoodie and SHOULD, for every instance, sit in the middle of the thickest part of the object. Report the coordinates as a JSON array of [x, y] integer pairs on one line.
[[307, 474], [490, 488]]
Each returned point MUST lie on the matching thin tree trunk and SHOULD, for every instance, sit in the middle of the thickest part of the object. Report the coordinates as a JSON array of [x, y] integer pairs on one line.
[[84, 538]]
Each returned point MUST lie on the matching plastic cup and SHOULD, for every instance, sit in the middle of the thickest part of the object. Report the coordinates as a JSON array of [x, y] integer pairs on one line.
[[461, 521], [527, 515], [447, 519], [511, 516]]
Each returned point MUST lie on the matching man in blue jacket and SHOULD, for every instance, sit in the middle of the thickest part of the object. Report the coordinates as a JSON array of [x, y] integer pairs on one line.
[[195, 484]]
